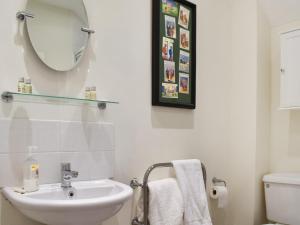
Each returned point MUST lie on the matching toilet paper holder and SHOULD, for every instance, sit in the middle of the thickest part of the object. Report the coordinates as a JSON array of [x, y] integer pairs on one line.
[[218, 181]]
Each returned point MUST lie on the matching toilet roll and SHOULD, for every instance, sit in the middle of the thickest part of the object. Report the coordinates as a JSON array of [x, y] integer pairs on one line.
[[220, 193]]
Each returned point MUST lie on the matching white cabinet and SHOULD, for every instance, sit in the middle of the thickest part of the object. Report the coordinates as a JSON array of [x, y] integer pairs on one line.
[[290, 70]]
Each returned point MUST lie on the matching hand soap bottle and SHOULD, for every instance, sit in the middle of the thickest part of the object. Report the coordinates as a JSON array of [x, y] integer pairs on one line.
[[31, 172]]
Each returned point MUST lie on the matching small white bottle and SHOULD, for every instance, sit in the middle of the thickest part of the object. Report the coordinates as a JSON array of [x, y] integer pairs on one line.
[[28, 86], [31, 172], [21, 85], [93, 93], [87, 94]]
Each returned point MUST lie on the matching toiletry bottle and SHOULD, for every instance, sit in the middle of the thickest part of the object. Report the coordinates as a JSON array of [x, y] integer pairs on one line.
[[87, 93], [93, 93], [24, 87], [31, 172], [28, 86], [21, 85]]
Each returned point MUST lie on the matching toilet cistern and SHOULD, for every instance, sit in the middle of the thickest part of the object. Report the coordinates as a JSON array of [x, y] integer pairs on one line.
[[67, 174]]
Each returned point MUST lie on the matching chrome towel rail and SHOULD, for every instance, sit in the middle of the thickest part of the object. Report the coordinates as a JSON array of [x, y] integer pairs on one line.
[[135, 184]]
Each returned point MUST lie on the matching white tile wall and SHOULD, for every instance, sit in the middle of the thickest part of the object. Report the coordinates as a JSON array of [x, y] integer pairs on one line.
[[46, 135], [11, 168], [88, 146], [75, 138]]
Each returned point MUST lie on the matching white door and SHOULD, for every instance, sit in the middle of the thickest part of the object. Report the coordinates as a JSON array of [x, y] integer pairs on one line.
[[290, 70]]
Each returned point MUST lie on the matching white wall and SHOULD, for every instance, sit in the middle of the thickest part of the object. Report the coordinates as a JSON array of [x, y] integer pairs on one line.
[[281, 12], [262, 163], [285, 124], [221, 131], [242, 108]]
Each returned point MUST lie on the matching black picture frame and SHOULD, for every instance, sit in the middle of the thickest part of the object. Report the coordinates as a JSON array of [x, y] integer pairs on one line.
[[157, 60]]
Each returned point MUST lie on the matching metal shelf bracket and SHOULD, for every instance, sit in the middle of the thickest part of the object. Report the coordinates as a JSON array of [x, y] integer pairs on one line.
[[87, 30], [102, 105], [7, 97]]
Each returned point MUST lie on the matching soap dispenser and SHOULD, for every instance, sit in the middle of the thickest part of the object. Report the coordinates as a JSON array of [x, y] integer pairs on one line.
[[31, 172]]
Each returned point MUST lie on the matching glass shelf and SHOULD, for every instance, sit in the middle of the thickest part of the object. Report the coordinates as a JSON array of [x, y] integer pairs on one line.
[[11, 96]]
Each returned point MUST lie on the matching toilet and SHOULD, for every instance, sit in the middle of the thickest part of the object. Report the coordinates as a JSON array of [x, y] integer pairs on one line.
[[282, 195]]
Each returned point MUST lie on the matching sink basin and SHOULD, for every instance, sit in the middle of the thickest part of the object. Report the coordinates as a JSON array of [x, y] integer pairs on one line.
[[86, 203]]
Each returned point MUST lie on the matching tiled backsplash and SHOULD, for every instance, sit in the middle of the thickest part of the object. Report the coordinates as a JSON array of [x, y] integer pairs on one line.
[[89, 147]]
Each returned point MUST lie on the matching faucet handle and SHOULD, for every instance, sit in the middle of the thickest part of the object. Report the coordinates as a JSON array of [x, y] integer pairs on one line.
[[75, 174], [66, 166]]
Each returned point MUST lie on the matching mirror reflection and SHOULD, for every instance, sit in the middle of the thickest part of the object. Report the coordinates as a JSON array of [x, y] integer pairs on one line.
[[56, 31]]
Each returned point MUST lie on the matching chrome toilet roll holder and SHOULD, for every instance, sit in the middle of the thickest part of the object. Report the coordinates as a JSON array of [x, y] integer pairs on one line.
[[217, 181]]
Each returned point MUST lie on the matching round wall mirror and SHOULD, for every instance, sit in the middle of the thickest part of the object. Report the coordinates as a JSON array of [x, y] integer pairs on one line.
[[58, 31]]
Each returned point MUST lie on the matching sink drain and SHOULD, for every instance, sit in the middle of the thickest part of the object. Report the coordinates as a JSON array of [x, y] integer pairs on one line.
[[71, 194]]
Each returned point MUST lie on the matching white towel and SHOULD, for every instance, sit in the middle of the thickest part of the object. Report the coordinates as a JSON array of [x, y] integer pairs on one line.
[[190, 179], [165, 202]]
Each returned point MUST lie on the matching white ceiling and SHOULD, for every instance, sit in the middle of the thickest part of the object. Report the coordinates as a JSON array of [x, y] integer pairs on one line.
[[281, 12]]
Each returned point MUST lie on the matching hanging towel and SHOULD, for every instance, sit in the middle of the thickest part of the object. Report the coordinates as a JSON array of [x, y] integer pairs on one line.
[[190, 179], [165, 202]]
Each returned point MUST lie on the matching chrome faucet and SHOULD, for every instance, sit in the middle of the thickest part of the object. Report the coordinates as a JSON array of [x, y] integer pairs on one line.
[[67, 174]]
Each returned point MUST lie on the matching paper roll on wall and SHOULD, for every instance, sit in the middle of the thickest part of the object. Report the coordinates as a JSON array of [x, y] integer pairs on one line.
[[220, 193]]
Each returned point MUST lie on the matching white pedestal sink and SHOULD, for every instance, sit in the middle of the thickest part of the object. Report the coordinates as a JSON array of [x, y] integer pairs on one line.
[[86, 203]]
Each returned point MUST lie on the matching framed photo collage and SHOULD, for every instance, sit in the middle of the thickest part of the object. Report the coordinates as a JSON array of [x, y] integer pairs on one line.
[[174, 54]]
